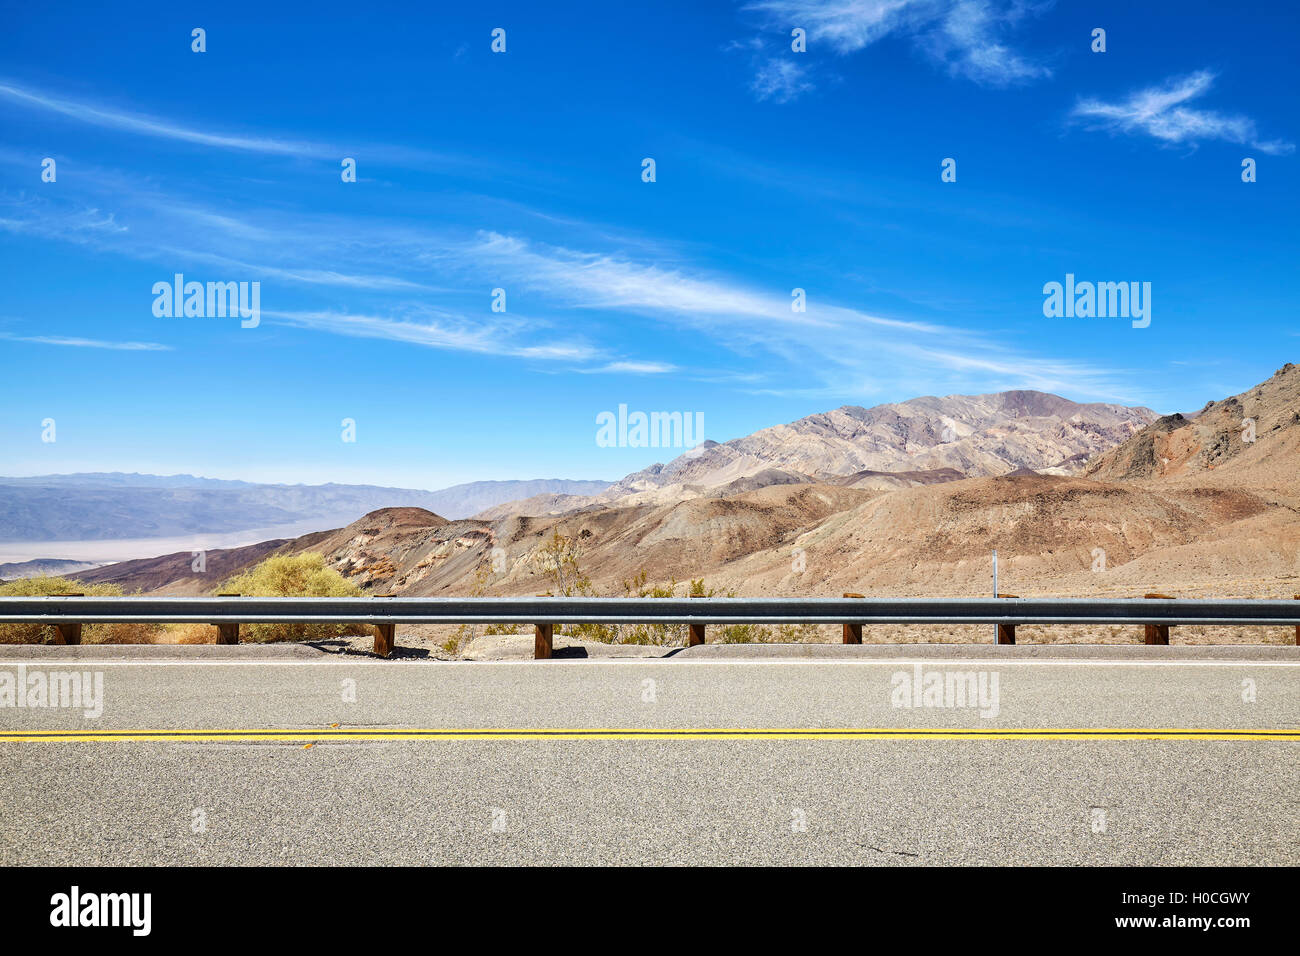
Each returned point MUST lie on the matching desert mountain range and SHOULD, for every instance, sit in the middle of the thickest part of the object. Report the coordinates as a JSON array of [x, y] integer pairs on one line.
[[977, 435], [1187, 505], [921, 441]]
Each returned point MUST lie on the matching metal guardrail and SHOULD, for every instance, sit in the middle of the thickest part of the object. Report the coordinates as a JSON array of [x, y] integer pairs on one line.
[[68, 613]]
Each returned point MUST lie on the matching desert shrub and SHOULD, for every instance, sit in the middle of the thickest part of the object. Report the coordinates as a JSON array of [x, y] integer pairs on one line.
[[655, 634], [107, 633], [742, 634], [803, 633], [464, 634], [559, 561], [294, 575]]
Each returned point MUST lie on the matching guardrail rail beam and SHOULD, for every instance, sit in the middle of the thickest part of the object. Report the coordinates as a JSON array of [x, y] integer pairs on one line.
[[66, 613]]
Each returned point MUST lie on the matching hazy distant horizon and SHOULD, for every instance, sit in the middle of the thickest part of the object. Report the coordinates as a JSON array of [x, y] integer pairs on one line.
[[126, 549]]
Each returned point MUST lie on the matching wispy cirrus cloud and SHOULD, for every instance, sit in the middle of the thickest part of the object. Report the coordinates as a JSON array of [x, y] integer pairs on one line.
[[152, 126], [1162, 112], [757, 341], [590, 280], [143, 124], [969, 41], [780, 80], [634, 368], [317, 277], [609, 281], [968, 38], [74, 342], [439, 330], [152, 225], [831, 349], [80, 224]]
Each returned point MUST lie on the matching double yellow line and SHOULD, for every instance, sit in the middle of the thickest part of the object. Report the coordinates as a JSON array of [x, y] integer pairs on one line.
[[371, 735]]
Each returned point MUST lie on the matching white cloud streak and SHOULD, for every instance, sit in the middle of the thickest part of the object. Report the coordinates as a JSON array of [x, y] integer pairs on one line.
[[441, 332], [74, 342], [966, 37], [635, 368], [142, 124], [1162, 112], [151, 126], [830, 344]]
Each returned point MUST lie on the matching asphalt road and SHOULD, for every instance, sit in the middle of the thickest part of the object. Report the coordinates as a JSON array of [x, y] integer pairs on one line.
[[253, 772]]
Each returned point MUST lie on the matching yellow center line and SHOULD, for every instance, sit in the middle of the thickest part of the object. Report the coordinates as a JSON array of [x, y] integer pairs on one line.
[[514, 734]]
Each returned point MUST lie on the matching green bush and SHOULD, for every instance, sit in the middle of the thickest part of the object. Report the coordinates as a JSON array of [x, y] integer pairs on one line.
[[293, 575]]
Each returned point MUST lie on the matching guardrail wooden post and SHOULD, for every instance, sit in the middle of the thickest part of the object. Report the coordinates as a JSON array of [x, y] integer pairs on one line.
[[543, 639], [71, 633], [1156, 633], [385, 637], [694, 632], [228, 633], [852, 632], [385, 633], [1007, 632]]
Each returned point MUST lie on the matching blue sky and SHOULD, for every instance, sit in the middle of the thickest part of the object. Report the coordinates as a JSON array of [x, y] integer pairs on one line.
[[522, 170]]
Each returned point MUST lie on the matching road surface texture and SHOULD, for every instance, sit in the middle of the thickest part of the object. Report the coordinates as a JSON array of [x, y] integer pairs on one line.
[[234, 758]]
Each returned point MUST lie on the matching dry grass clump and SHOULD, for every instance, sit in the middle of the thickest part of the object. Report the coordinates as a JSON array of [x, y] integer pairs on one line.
[[299, 575], [44, 586], [188, 634]]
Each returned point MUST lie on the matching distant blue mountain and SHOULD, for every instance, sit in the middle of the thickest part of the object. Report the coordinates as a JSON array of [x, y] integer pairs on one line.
[[102, 506]]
